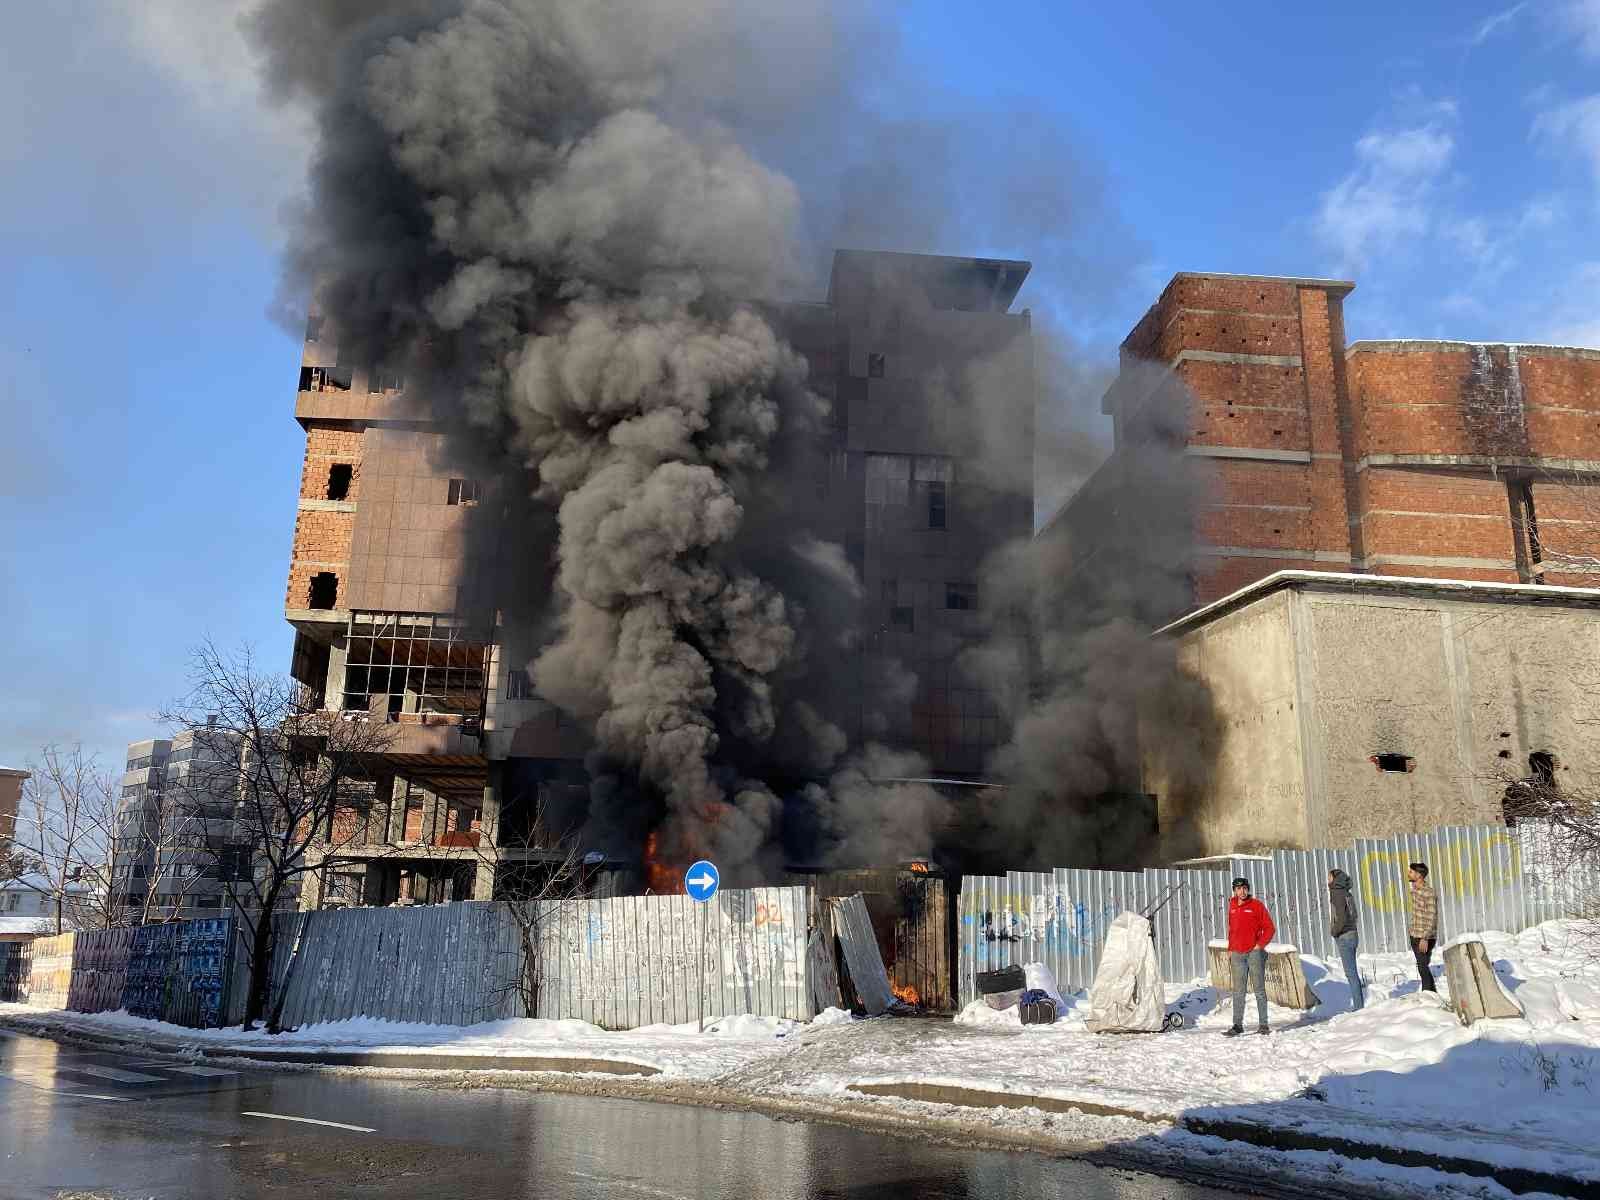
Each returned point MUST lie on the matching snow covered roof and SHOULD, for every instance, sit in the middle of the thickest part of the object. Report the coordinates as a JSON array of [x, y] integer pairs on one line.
[[33, 924], [35, 882]]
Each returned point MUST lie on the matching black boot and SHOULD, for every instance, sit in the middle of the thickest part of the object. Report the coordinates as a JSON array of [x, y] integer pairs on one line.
[[1263, 1029], [1234, 1032]]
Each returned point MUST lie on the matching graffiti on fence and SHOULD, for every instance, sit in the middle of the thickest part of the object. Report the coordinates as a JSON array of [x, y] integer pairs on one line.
[[1051, 918], [1457, 868]]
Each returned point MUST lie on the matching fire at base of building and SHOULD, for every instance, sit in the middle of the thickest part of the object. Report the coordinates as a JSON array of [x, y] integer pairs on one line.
[[392, 588]]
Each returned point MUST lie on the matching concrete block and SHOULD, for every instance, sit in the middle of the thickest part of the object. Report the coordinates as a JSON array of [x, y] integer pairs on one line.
[[1475, 991], [1286, 978]]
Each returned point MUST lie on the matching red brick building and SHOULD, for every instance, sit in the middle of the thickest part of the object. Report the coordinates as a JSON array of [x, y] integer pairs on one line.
[[1438, 459]]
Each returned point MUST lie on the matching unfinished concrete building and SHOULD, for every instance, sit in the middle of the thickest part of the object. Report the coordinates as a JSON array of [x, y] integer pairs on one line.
[[1370, 705], [392, 597]]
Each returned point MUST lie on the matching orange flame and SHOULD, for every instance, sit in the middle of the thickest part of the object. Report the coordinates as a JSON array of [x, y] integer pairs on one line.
[[907, 993], [662, 878]]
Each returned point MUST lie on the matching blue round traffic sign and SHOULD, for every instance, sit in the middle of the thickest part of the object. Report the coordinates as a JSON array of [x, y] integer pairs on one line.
[[701, 881]]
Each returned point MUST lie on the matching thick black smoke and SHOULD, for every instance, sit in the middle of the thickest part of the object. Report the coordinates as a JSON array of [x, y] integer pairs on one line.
[[563, 218]]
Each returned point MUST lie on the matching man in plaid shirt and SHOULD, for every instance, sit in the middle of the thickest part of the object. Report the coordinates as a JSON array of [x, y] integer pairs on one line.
[[1423, 926]]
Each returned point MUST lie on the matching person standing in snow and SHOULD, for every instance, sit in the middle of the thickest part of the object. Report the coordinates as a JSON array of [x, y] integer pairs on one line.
[[1423, 925], [1342, 928], [1250, 929]]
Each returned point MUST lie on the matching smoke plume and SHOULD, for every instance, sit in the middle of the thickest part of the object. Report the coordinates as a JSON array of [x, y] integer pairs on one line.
[[565, 219]]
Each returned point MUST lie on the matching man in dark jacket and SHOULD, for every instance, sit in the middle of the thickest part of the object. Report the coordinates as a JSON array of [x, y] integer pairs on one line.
[[1342, 927], [1250, 929]]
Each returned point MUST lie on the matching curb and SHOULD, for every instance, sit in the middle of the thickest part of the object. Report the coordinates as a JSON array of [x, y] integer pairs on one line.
[[1519, 1180], [349, 1058]]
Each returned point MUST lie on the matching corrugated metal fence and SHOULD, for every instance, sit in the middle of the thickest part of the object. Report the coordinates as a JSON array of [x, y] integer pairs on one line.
[[446, 964], [620, 963], [638, 960], [1487, 877]]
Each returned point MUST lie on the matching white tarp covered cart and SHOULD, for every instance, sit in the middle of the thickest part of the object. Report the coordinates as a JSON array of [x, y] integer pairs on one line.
[[1128, 995]]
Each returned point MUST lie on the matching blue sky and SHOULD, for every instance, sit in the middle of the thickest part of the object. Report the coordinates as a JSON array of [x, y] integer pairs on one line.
[[1444, 156]]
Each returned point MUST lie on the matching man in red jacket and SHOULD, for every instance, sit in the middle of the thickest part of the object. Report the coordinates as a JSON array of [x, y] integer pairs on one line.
[[1250, 929]]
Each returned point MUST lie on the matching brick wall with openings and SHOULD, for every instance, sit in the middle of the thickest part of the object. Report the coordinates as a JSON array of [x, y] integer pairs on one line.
[[325, 449], [1295, 434]]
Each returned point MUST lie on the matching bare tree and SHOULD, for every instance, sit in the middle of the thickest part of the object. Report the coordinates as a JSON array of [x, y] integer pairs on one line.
[[289, 769], [537, 872], [63, 848]]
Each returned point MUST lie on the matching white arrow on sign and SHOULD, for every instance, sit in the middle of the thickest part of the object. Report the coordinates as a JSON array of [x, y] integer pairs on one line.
[[701, 880]]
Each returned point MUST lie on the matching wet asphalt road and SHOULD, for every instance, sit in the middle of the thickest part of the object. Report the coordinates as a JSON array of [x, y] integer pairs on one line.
[[76, 1121]]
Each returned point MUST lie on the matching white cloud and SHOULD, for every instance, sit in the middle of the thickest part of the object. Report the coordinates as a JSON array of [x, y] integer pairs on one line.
[[1582, 17], [1389, 195], [1574, 320], [1492, 25], [1574, 127]]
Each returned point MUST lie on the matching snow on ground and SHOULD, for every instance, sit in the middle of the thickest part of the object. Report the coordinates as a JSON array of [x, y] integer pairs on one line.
[[1403, 1070]]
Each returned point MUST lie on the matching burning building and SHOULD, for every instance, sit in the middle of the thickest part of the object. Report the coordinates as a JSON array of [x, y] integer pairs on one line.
[[408, 608]]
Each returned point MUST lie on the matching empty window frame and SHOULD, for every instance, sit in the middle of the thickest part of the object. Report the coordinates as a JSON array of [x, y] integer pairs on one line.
[[462, 491], [932, 478], [402, 665], [339, 477], [326, 379], [324, 591], [385, 379], [518, 685], [963, 597]]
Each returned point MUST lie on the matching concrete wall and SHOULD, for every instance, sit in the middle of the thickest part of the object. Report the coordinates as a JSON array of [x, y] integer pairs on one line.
[[1313, 684], [1255, 796], [1454, 685]]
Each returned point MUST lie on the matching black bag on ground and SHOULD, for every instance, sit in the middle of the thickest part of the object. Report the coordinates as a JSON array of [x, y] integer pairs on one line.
[[1006, 979], [1038, 1012]]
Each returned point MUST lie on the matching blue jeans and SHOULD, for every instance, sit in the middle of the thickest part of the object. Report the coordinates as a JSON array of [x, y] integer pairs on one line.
[[1347, 943], [1244, 966]]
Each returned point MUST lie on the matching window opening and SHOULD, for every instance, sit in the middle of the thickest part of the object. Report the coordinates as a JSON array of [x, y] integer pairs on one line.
[[903, 618], [326, 379], [414, 667], [462, 491], [518, 685], [936, 509], [385, 379], [875, 365], [324, 590], [339, 476], [1394, 762], [960, 596], [1542, 768]]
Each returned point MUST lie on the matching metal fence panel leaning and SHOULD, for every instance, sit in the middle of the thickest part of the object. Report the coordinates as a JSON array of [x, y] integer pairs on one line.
[[1486, 876]]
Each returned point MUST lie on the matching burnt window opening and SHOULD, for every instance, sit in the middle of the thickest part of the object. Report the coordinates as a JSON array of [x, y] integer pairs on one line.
[[414, 667], [903, 618], [385, 379], [936, 505], [1542, 769], [518, 685], [960, 596], [1394, 762], [463, 491], [324, 591], [339, 476], [326, 379], [875, 365]]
